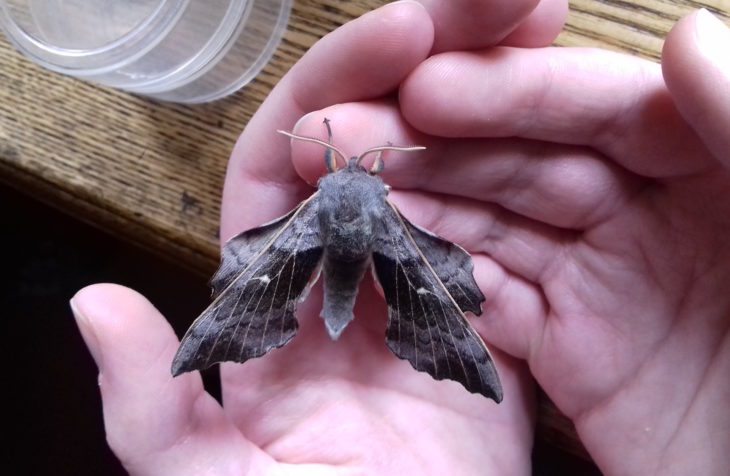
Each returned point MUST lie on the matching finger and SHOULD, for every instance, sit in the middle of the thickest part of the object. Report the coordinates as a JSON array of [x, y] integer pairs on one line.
[[696, 67], [154, 423], [514, 312], [365, 58], [612, 102], [541, 26], [475, 24], [561, 185]]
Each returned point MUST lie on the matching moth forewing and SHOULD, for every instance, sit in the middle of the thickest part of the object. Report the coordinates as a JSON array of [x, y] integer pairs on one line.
[[254, 312], [426, 325]]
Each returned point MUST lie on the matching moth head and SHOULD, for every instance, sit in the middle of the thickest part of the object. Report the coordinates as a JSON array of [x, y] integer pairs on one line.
[[333, 152]]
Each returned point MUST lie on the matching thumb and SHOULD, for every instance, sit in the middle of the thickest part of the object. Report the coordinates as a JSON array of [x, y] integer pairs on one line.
[[154, 423], [696, 67]]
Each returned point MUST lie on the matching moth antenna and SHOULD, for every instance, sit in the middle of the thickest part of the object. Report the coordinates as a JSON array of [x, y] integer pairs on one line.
[[316, 141], [382, 148], [329, 157]]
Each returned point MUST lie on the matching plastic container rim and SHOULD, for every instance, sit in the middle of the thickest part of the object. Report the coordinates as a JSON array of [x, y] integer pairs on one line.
[[41, 51]]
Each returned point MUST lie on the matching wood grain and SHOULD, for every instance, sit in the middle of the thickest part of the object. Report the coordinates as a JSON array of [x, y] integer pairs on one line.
[[152, 173]]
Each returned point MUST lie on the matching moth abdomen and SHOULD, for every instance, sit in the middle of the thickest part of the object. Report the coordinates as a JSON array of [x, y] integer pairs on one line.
[[341, 284]]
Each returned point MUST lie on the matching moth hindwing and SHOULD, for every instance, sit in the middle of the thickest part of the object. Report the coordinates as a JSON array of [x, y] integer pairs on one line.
[[347, 226]]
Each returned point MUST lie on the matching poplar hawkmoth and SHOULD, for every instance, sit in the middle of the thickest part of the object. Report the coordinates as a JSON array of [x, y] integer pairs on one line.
[[343, 229]]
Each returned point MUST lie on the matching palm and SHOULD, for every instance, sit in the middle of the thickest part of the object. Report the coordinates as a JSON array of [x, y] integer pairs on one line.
[[629, 302], [651, 260]]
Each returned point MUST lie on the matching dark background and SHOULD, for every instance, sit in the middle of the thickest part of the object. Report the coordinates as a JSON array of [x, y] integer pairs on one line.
[[54, 421]]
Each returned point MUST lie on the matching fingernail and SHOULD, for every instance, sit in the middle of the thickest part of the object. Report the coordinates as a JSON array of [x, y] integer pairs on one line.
[[87, 331], [302, 120], [713, 37]]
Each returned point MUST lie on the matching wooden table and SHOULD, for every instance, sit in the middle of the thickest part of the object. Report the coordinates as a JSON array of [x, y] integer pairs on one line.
[[152, 173]]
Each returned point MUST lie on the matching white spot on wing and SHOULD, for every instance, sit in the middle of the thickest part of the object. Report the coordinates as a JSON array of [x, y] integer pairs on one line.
[[264, 279], [422, 291]]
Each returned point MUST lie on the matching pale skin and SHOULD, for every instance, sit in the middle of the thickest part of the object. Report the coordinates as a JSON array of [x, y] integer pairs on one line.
[[593, 190]]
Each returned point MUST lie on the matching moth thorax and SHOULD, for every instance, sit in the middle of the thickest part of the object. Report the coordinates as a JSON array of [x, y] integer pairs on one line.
[[349, 240], [348, 209]]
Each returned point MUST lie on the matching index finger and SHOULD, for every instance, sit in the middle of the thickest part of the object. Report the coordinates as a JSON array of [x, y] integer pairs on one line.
[[363, 59]]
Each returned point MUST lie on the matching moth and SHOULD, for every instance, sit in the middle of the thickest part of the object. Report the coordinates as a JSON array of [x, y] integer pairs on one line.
[[344, 228]]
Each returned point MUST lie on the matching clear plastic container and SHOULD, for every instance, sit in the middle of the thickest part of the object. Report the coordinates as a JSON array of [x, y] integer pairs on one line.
[[187, 51]]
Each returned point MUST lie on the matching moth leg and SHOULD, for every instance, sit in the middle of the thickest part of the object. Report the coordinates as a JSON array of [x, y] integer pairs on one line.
[[329, 156]]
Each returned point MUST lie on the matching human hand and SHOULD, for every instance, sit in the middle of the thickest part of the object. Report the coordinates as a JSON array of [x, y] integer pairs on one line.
[[594, 190], [317, 405]]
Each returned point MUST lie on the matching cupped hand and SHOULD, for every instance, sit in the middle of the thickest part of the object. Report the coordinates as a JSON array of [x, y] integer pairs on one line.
[[317, 406], [594, 190]]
